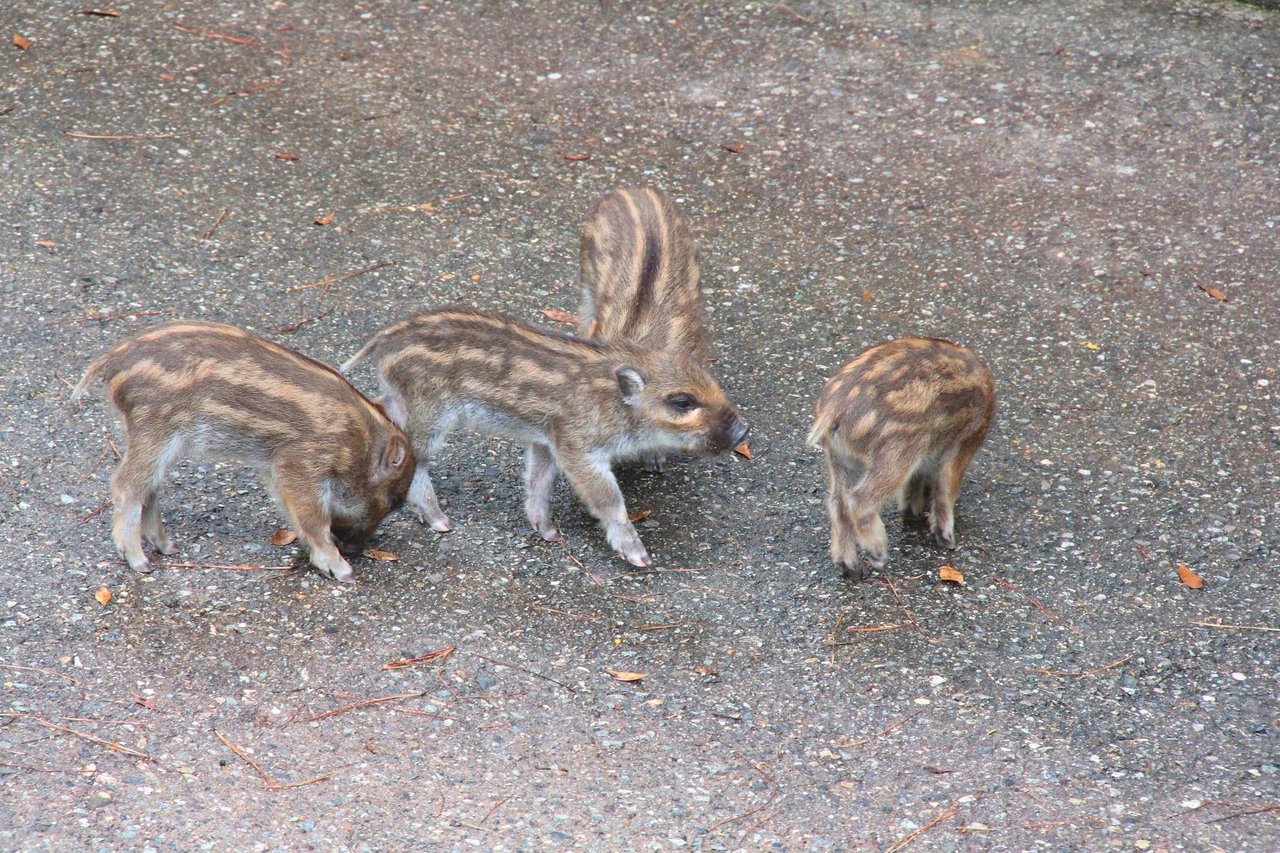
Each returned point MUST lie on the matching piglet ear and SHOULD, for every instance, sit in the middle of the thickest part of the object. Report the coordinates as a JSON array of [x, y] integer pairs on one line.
[[397, 452], [631, 383]]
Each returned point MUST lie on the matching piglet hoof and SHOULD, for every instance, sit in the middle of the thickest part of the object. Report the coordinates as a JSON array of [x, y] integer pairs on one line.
[[551, 534], [641, 561], [441, 525], [656, 464], [165, 547], [878, 561], [142, 566], [945, 539], [339, 571], [852, 571]]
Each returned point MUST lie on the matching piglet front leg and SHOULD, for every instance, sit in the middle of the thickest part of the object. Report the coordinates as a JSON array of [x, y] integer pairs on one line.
[[594, 482]]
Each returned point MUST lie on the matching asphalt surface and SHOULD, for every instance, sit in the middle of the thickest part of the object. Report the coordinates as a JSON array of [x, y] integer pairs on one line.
[[1067, 189]]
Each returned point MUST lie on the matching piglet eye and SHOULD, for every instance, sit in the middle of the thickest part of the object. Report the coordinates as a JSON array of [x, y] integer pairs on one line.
[[682, 402]]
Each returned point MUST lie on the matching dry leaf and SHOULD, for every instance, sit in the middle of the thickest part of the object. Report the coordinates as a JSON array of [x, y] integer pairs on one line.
[[733, 149], [704, 670], [743, 450], [145, 701], [1188, 577], [1213, 291], [577, 158], [561, 316], [624, 676], [287, 157], [1090, 346], [640, 516], [327, 219], [21, 43], [103, 595], [867, 296], [948, 573], [379, 554], [283, 537], [46, 244]]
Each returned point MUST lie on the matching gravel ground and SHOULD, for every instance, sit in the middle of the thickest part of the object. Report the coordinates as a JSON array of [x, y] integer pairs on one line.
[[1085, 194]]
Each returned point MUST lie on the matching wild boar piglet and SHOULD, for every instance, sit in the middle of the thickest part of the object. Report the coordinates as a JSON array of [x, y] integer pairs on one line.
[[902, 420], [577, 405], [332, 459]]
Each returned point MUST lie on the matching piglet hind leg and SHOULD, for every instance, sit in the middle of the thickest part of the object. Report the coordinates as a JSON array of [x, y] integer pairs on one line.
[[422, 497], [133, 490], [540, 472], [595, 484], [153, 531], [945, 489]]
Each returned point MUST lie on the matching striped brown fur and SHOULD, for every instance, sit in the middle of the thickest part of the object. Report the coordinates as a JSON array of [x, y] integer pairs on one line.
[[577, 405], [333, 460], [901, 420]]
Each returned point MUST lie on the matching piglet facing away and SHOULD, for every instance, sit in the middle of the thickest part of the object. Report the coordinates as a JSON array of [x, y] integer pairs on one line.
[[902, 420], [640, 274], [577, 405], [333, 460]]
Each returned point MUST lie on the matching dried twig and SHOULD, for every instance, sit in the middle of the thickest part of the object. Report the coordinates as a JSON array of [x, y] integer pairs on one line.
[[901, 604], [560, 612], [499, 804], [271, 783], [429, 657], [75, 134], [912, 836], [893, 728], [1004, 583], [293, 327], [337, 278], [364, 703], [1275, 807], [594, 578], [225, 566], [113, 746], [105, 318], [283, 54], [666, 627], [242, 93], [94, 514], [777, 793], [38, 669], [527, 671], [1083, 673], [1235, 627], [214, 227], [81, 772], [784, 7]]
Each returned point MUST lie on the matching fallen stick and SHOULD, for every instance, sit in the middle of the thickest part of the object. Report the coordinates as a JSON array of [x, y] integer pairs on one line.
[[907, 839], [113, 746], [528, 671], [271, 783], [337, 278], [75, 134], [1235, 627], [1004, 583], [38, 669], [364, 703], [224, 566], [1083, 673], [214, 227], [893, 728], [427, 658]]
